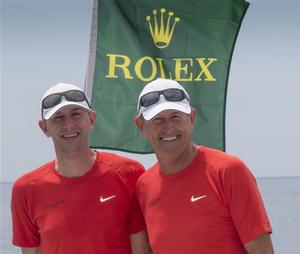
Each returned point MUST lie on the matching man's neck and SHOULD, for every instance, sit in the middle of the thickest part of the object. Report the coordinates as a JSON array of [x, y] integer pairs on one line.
[[75, 164], [173, 163]]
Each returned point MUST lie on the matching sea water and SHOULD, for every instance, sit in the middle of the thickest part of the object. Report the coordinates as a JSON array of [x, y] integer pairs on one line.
[[281, 197]]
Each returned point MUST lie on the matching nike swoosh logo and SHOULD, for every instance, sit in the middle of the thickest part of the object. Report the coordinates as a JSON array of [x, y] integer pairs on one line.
[[102, 199], [194, 199]]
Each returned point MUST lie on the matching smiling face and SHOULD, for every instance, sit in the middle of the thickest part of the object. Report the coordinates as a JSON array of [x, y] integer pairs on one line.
[[69, 128], [169, 132]]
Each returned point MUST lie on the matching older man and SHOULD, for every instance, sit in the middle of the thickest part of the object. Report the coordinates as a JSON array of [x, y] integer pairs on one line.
[[194, 199]]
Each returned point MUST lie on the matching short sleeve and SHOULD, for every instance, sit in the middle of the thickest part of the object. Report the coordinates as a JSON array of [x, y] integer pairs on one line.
[[245, 202], [136, 220], [25, 232]]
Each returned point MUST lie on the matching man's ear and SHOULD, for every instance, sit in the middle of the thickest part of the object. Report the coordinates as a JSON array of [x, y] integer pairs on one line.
[[92, 115], [139, 122], [43, 126], [193, 116]]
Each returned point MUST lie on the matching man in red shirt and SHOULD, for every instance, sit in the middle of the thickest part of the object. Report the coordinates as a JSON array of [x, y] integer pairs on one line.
[[194, 199], [84, 201]]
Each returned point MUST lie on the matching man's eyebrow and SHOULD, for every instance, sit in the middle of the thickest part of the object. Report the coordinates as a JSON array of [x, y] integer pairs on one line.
[[59, 112], [77, 108]]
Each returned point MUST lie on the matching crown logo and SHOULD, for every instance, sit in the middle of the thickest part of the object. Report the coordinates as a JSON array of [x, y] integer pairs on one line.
[[162, 35]]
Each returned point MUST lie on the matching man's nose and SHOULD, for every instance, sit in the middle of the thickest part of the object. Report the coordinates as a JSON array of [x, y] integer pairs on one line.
[[69, 122], [168, 126]]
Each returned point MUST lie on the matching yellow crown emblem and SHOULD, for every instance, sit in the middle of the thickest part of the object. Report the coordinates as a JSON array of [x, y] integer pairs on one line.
[[162, 36]]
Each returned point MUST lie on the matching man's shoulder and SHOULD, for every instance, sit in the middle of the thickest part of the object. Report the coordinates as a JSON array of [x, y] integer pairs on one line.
[[218, 157], [219, 160], [150, 174], [34, 175], [120, 164]]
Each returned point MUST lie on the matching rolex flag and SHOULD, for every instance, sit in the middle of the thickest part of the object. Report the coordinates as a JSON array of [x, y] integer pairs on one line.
[[136, 41]]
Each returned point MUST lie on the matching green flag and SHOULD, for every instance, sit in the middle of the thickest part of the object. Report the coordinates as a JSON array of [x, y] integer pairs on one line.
[[136, 41]]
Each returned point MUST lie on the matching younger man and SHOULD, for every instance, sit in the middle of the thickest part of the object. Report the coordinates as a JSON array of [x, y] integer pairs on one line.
[[83, 201]]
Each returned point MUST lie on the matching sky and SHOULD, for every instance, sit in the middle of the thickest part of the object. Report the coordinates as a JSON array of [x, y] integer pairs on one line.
[[45, 42]]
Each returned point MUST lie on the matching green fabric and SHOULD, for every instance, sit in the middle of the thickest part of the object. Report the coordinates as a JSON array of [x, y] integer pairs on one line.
[[198, 56]]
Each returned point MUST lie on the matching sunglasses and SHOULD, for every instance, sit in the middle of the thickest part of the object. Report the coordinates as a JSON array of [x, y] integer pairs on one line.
[[172, 94], [72, 95]]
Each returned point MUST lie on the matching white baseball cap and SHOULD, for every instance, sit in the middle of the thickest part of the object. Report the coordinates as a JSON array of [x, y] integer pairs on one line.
[[163, 103], [62, 101]]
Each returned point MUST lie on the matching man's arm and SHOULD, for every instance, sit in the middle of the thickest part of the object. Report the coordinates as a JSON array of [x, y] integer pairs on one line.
[[34, 250], [139, 243], [260, 245]]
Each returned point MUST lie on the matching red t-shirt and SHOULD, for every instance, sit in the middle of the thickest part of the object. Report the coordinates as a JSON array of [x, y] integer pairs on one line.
[[213, 206], [93, 214]]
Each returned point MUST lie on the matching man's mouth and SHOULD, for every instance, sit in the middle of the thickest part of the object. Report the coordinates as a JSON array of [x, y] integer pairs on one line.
[[169, 139], [73, 135]]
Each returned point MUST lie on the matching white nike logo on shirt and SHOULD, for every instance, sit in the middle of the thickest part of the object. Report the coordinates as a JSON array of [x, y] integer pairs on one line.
[[102, 199], [194, 199]]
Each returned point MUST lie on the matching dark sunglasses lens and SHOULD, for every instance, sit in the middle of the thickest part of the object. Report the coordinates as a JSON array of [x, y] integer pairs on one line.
[[149, 99], [76, 96], [51, 101], [174, 95]]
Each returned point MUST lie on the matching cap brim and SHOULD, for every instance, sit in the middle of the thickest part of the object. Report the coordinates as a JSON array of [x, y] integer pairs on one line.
[[48, 114], [151, 112]]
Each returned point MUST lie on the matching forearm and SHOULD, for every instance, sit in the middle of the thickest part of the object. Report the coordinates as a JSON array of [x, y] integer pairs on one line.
[[139, 243], [260, 245], [34, 250]]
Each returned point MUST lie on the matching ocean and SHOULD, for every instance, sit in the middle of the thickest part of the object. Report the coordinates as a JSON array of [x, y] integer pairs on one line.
[[281, 197]]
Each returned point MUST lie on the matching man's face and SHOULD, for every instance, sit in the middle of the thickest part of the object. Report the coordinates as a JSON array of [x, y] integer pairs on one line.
[[169, 131], [69, 128]]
